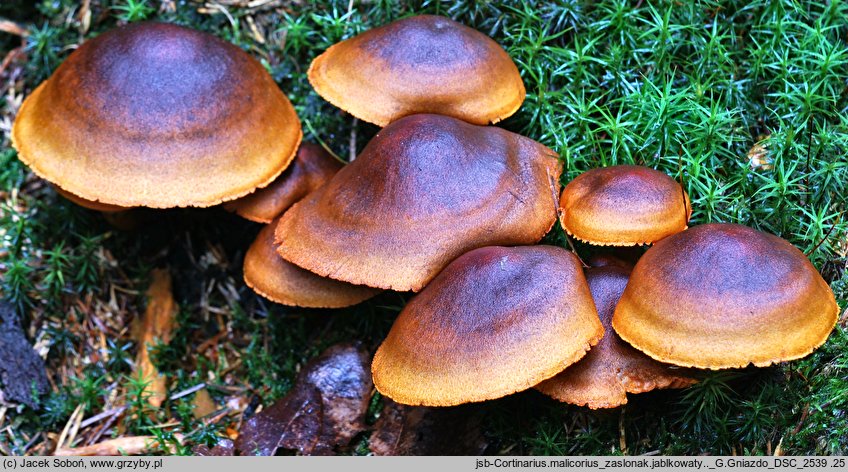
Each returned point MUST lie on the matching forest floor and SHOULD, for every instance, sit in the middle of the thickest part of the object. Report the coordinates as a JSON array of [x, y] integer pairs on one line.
[[743, 101]]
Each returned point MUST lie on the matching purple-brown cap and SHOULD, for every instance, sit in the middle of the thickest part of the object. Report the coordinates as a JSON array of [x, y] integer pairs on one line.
[[425, 190], [721, 296], [613, 368], [420, 64], [496, 321], [311, 168], [623, 206], [157, 115], [282, 282]]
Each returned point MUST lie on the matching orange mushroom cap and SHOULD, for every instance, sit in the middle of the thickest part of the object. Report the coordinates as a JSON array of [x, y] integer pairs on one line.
[[310, 169], [97, 206], [421, 64], [425, 190], [496, 321], [623, 206], [157, 115], [282, 282], [721, 296], [612, 369]]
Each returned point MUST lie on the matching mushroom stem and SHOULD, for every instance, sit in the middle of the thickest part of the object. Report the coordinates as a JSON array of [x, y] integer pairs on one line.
[[158, 325]]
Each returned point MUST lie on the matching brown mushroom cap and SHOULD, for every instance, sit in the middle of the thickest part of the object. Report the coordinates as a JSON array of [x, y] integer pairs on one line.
[[496, 321], [285, 283], [425, 190], [157, 115], [623, 206], [96, 206], [723, 295], [310, 169], [421, 64], [612, 369]]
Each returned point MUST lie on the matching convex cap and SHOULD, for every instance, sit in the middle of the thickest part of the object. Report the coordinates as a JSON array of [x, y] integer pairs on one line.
[[612, 369], [425, 190], [157, 115], [623, 206], [310, 169], [282, 282], [722, 296], [496, 321], [421, 64]]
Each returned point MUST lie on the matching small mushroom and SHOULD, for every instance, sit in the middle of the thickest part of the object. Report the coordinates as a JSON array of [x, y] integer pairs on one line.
[[157, 115], [282, 282], [612, 369], [623, 206], [496, 321], [311, 168], [721, 296], [420, 64], [425, 190]]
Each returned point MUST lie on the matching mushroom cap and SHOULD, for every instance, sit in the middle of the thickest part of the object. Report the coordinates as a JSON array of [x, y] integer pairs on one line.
[[96, 206], [282, 282], [310, 169], [623, 206], [157, 115], [425, 190], [496, 321], [421, 64], [613, 368], [721, 296]]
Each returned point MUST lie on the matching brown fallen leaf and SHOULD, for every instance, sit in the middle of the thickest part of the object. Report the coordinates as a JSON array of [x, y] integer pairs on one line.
[[225, 447], [423, 431], [325, 409], [203, 404], [758, 155], [128, 445], [157, 326], [22, 371]]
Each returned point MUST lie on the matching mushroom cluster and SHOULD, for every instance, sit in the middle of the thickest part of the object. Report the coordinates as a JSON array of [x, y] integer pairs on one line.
[[438, 202]]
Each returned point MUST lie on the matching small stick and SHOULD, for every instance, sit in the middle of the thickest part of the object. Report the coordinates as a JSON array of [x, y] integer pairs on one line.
[[832, 227], [130, 445]]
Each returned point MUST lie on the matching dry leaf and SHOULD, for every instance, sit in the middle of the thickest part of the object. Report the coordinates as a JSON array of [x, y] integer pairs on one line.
[[203, 404], [225, 447], [422, 431], [758, 156], [22, 371], [325, 409], [129, 445], [293, 423], [157, 326]]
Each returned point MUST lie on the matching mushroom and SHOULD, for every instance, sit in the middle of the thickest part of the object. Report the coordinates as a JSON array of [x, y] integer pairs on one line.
[[623, 206], [282, 282], [420, 64], [721, 296], [425, 190], [496, 321], [96, 206], [311, 168], [612, 369], [157, 115]]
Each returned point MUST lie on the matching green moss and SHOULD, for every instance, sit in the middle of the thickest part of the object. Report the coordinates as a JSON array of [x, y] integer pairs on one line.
[[688, 88]]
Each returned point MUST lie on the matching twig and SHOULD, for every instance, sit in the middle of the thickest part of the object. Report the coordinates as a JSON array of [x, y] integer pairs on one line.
[[68, 425], [352, 152], [826, 236], [101, 416], [321, 141], [130, 445], [188, 391]]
